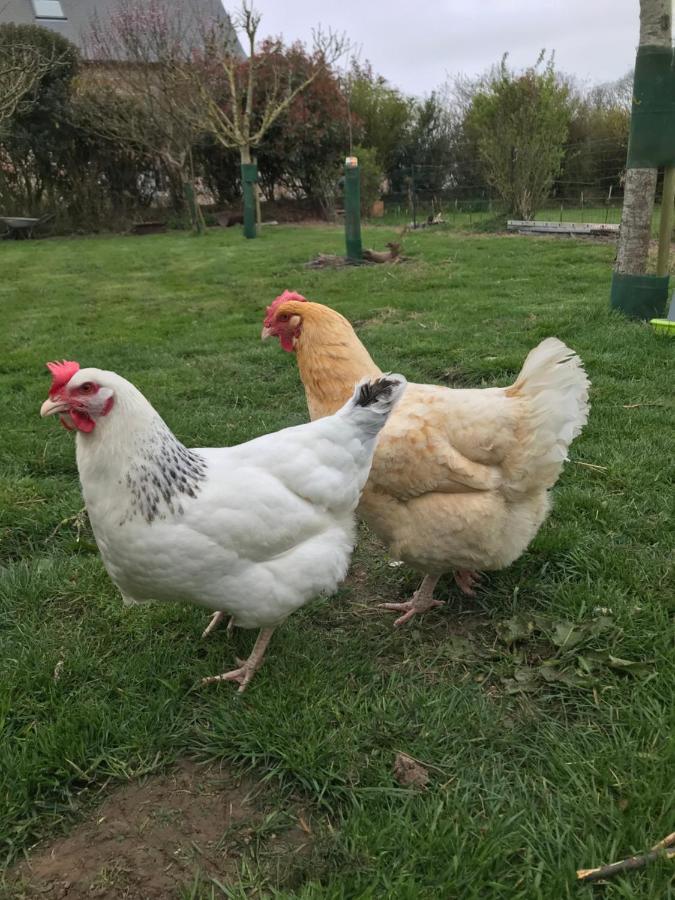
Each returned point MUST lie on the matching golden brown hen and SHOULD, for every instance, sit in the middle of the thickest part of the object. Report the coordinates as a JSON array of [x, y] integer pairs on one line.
[[461, 478]]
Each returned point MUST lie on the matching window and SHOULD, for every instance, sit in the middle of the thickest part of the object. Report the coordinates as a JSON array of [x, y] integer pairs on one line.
[[48, 9]]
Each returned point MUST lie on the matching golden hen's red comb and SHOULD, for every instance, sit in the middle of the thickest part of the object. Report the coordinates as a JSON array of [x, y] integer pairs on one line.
[[282, 298]]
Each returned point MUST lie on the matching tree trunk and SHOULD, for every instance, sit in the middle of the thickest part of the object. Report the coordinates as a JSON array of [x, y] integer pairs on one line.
[[636, 221], [640, 186]]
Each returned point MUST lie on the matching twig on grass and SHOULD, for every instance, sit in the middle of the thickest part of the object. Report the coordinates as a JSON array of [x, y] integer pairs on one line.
[[662, 850], [578, 462], [78, 519]]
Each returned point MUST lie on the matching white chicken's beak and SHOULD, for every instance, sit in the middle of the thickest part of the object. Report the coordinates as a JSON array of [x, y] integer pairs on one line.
[[51, 407], [266, 332]]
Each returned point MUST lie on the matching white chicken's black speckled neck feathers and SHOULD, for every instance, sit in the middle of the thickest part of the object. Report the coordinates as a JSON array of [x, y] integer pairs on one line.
[[161, 473], [132, 450]]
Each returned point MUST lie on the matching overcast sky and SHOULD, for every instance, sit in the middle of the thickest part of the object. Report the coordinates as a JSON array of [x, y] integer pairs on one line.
[[415, 45]]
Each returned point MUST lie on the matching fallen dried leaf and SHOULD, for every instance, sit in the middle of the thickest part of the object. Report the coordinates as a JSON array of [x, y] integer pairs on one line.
[[408, 772]]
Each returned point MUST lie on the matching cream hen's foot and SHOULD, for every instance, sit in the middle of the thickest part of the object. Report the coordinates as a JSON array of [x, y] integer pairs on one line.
[[216, 619], [247, 668], [466, 580], [422, 600]]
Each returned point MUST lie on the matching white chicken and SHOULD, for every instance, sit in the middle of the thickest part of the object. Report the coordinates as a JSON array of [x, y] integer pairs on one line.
[[255, 531]]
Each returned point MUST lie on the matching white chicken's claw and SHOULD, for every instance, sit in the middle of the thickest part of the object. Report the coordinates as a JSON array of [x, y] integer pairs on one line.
[[216, 619], [247, 668]]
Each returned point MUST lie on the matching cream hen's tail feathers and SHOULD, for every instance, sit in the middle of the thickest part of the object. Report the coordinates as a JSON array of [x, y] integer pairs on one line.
[[554, 386]]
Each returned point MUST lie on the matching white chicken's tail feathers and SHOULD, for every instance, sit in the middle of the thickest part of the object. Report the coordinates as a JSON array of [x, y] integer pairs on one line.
[[555, 387], [373, 400]]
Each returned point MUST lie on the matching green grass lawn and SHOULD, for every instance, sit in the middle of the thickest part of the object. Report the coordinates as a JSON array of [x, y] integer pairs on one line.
[[543, 709]]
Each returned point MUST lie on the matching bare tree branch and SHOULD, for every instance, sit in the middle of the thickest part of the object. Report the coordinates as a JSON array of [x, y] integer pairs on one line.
[[231, 112], [22, 67], [143, 99]]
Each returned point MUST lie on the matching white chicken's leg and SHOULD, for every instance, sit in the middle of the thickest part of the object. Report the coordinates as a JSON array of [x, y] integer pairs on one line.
[[216, 619], [466, 580], [422, 600], [249, 667]]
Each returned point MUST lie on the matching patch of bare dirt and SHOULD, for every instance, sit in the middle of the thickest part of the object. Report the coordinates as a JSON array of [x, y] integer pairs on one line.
[[148, 839]]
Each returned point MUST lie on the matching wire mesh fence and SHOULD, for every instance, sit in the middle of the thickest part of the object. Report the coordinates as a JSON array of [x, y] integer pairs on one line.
[[588, 189], [482, 209]]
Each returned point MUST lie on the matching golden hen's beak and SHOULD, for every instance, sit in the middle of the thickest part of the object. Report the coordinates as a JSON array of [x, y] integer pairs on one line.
[[50, 407], [266, 332]]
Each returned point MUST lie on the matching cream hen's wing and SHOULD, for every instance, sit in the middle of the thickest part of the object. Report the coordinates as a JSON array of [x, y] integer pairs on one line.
[[444, 440]]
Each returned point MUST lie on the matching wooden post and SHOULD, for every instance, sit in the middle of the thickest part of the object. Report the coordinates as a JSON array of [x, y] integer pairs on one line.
[[666, 220]]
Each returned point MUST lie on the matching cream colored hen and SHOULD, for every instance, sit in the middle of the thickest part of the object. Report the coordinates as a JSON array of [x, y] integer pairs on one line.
[[461, 478]]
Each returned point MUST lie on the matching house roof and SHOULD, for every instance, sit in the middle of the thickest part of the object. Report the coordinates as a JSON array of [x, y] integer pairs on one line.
[[73, 18]]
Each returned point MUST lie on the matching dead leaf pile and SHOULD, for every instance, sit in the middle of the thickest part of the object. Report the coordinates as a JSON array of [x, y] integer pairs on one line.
[[564, 654]]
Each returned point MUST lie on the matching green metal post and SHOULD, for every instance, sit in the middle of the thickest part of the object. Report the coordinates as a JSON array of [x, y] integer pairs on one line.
[[249, 176], [353, 213]]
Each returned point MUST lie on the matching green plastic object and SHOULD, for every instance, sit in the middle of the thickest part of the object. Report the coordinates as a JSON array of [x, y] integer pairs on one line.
[[639, 296], [353, 213], [249, 176], [652, 125], [663, 326]]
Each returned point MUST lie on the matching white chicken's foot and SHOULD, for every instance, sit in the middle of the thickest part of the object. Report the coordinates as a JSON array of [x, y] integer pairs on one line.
[[466, 580], [249, 667], [422, 600], [216, 619]]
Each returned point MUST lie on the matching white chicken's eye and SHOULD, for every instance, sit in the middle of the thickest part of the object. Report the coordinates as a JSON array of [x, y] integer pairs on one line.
[[86, 387]]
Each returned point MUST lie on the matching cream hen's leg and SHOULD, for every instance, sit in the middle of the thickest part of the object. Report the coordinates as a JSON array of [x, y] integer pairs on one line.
[[216, 619], [466, 580], [422, 600], [248, 667]]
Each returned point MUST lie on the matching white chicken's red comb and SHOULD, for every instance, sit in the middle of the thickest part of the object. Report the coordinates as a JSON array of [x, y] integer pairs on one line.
[[62, 372], [282, 298]]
